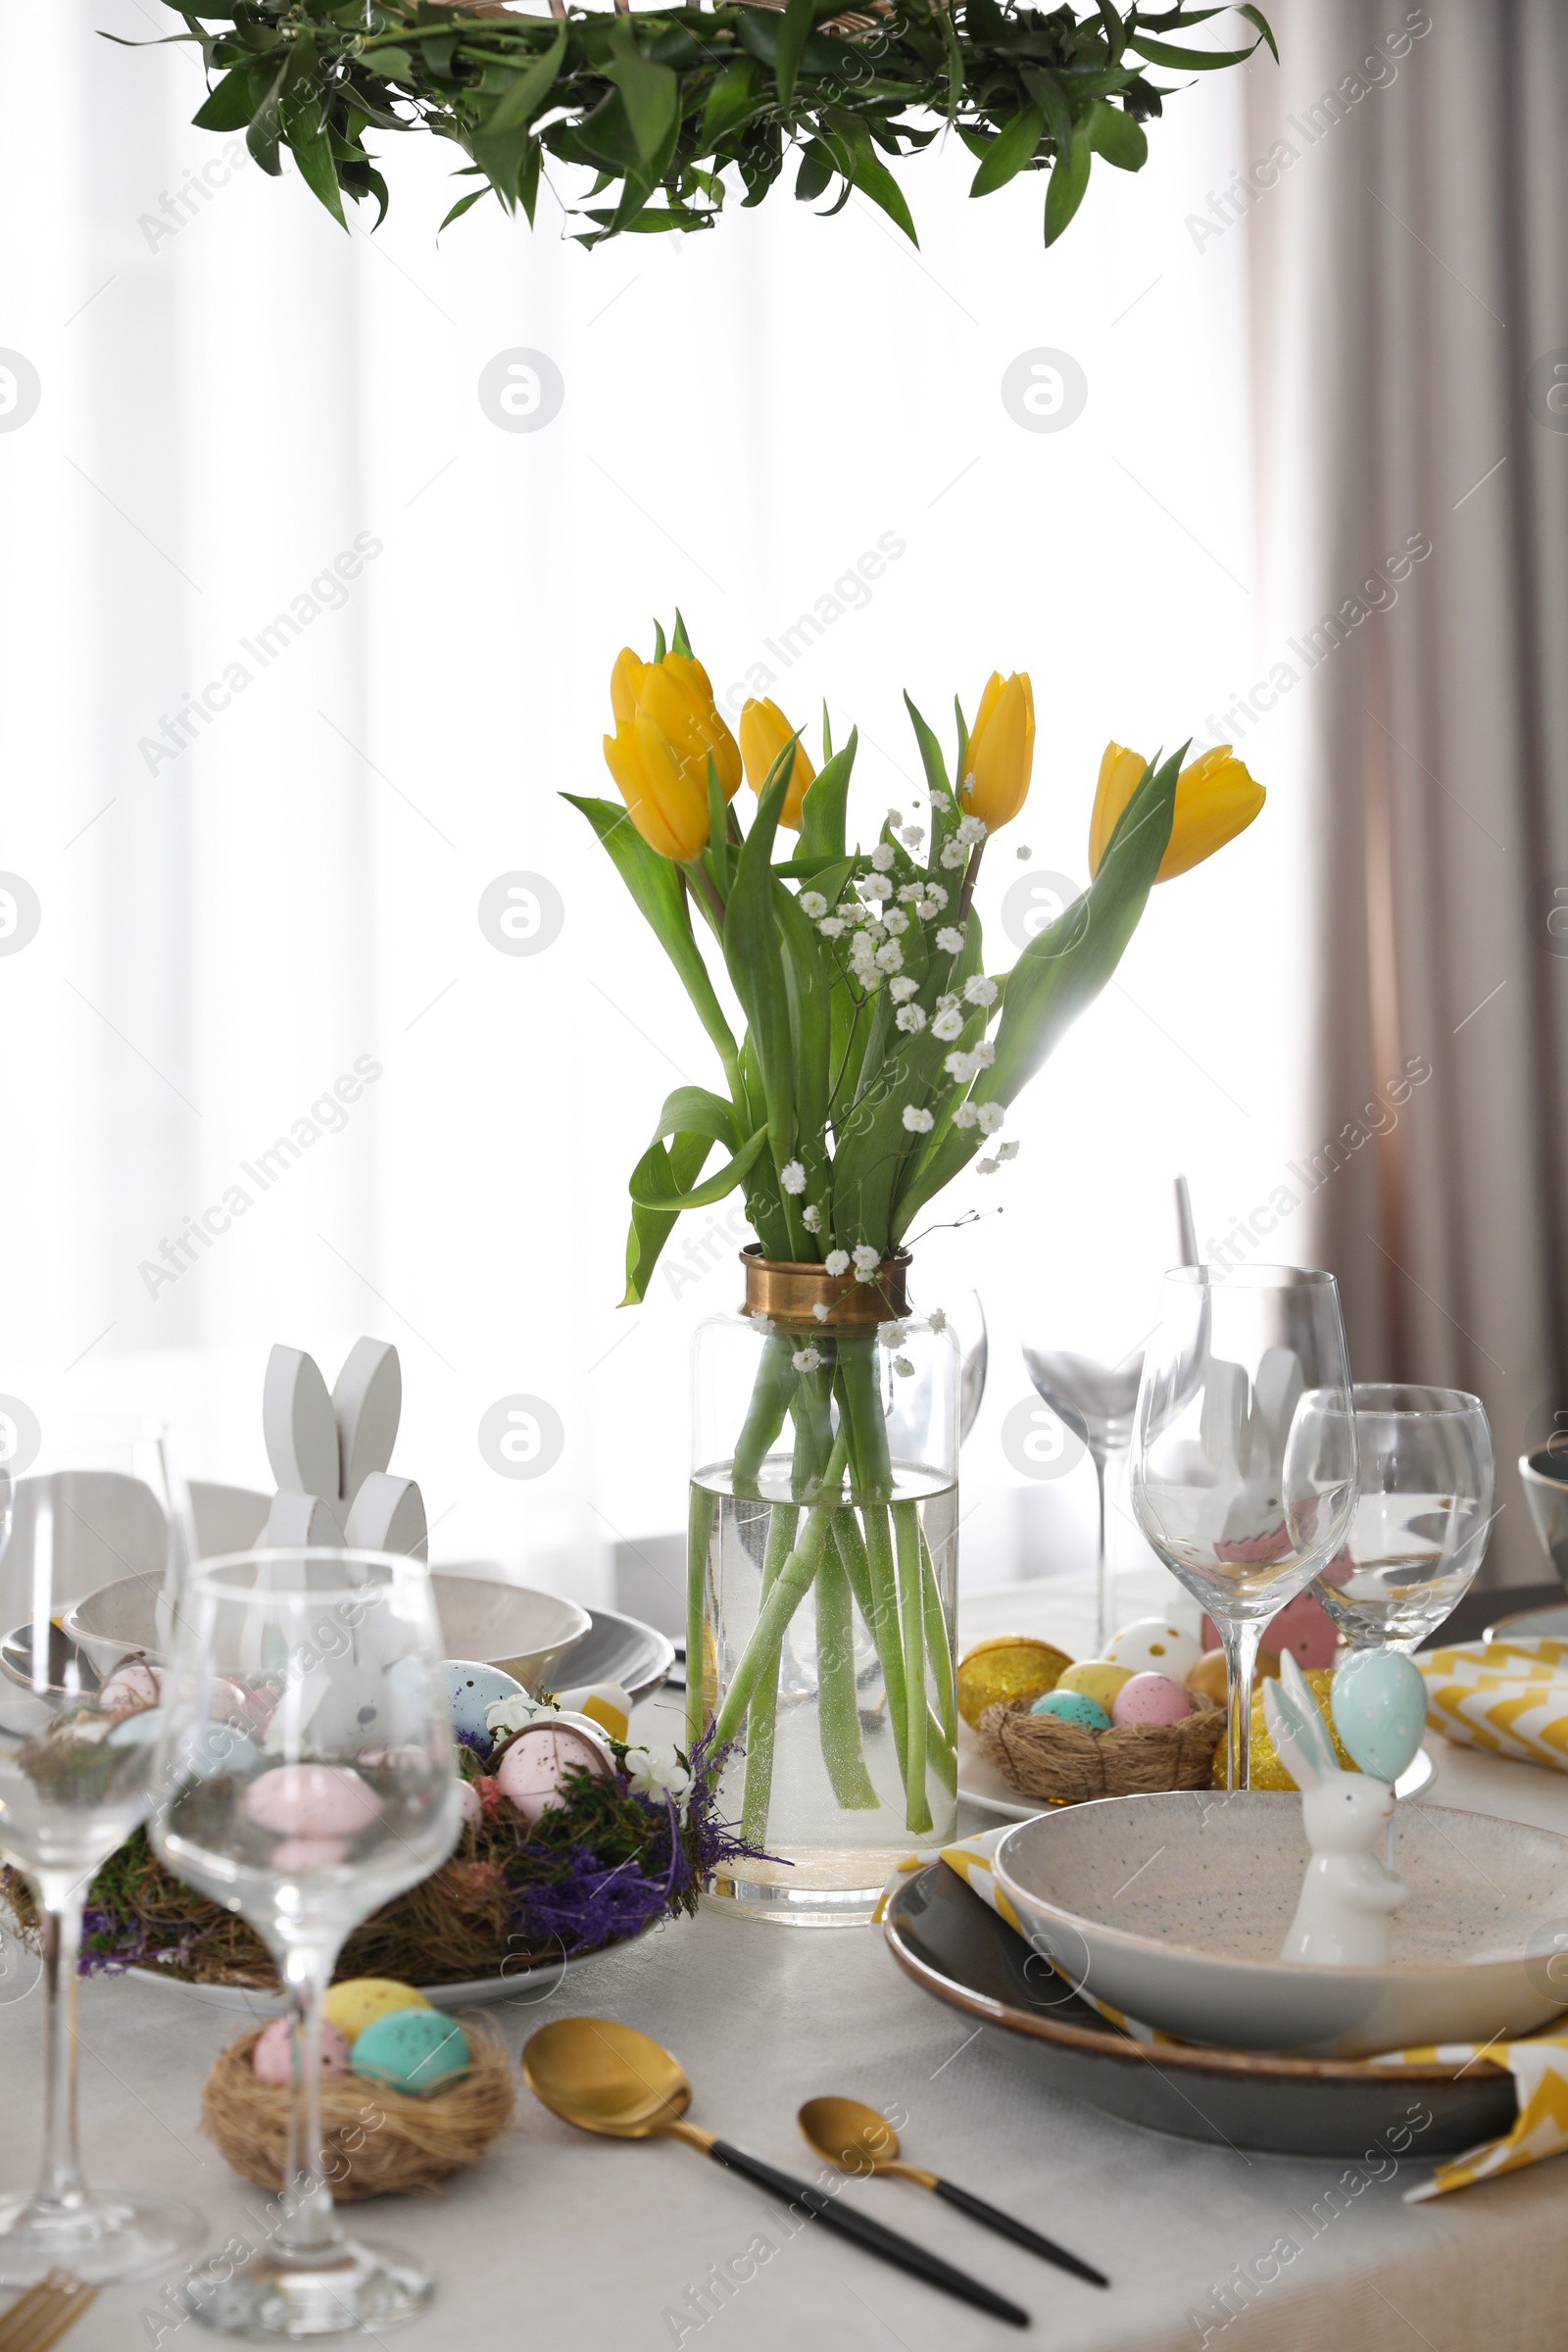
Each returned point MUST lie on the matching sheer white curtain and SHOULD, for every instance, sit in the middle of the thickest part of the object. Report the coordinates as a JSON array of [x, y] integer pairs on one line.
[[259, 845]]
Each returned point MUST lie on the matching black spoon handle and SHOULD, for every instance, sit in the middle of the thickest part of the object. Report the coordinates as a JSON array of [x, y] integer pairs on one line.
[[834, 2214], [1019, 2231]]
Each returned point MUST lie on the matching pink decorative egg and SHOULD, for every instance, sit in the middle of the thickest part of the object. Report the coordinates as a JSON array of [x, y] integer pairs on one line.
[[1303, 1627], [308, 1854], [132, 1685], [312, 1800], [273, 2054], [1150, 1698], [531, 1771]]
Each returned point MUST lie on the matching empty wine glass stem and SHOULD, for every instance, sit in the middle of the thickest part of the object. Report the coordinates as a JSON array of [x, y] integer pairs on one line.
[[61, 2189], [310, 2224], [1103, 1629], [1240, 1638]]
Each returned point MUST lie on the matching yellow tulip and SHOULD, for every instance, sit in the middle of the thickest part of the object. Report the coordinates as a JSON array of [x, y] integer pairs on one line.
[[764, 731], [1215, 799], [667, 724], [1001, 751]]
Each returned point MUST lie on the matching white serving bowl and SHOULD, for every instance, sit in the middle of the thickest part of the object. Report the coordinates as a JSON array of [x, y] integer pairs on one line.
[[1172, 1909], [516, 1627]]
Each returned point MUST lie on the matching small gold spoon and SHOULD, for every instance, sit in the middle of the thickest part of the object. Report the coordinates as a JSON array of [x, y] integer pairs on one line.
[[608, 2078], [855, 2139]]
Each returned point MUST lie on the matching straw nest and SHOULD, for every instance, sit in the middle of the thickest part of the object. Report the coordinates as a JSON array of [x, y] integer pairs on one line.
[[375, 2142], [1042, 1756]]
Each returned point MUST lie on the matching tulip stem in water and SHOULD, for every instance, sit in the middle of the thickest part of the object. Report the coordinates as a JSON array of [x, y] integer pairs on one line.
[[838, 1703], [906, 1535], [762, 1713], [699, 1536], [794, 1582]]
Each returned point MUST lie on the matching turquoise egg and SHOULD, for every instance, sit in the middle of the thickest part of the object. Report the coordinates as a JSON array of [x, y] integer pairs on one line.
[[1072, 1707], [1380, 1711], [410, 2050], [470, 1689]]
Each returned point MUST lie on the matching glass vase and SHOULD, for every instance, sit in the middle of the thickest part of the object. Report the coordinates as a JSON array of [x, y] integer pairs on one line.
[[822, 1584]]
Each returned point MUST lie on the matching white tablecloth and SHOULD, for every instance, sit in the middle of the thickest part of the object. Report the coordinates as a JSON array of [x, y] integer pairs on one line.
[[557, 2238]]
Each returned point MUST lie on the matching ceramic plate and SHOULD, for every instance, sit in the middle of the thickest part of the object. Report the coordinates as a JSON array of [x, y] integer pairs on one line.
[[1531, 1625], [956, 1948], [618, 1650], [525, 1986], [980, 1783]]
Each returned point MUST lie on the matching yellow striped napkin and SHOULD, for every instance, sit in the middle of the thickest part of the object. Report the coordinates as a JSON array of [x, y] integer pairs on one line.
[[1539, 2066], [1510, 1697]]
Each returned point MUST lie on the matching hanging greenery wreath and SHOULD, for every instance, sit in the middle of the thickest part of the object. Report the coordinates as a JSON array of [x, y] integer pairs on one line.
[[661, 104]]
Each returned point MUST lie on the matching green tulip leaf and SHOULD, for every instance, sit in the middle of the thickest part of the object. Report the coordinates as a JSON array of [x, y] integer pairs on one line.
[[822, 808], [649, 1189]]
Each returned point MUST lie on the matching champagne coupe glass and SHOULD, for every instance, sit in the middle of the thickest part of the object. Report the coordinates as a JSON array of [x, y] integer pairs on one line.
[[1242, 1508], [95, 1500], [309, 1776], [1416, 1542]]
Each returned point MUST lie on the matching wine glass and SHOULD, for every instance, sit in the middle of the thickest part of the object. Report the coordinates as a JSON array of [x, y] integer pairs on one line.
[[309, 1776], [1419, 1534], [1243, 1505], [1097, 1402], [95, 1500]]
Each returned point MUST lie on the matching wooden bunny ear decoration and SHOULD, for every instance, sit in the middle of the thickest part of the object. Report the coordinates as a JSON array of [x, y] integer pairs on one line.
[[329, 1453]]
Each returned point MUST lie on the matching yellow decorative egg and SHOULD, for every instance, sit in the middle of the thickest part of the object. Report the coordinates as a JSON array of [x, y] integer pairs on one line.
[[1006, 1667], [1096, 1679], [1267, 1770], [357, 2002]]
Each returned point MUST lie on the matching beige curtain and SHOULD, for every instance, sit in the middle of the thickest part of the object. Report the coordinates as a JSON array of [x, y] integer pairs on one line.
[[1408, 212]]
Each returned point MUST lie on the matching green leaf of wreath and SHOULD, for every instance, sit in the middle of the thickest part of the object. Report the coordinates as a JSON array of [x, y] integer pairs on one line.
[[1118, 137], [528, 91], [875, 180], [1069, 177], [799, 16], [1185, 61], [1007, 155]]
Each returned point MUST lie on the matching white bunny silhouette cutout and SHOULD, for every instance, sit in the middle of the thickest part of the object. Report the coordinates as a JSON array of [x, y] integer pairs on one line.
[[1343, 1917], [329, 1453]]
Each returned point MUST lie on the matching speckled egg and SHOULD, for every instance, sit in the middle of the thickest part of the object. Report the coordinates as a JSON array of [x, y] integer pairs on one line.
[[1072, 1707], [273, 2055], [312, 1800], [134, 1684], [1153, 1646], [470, 1689], [538, 1760], [1096, 1679], [1007, 1666], [359, 2000], [411, 2050], [1150, 1698]]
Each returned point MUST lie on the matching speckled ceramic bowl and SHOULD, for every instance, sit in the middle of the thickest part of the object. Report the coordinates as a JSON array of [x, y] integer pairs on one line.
[[1173, 1908]]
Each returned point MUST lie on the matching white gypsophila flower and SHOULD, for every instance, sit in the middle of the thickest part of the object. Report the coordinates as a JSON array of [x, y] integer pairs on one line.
[[504, 1715], [902, 1367], [895, 816], [657, 1771], [900, 991], [918, 1122], [805, 1359], [936, 896], [925, 909], [867, 1258], [883, 855], [990, 1116], [953, 852], [985, 1167], [890, 957], [947, 1024], [970, 831], [812, 1218], [911, 1020], [821, 1311], [911, 891], [966, 1115], [836, 1261], [949, 1001], [895, 922], [1008, 1151], [791, 1176], [960, 1066], [813, 903], [875, 886], [949, 939], [893, 1335], [914, 834], [831, 926], [984, 1054], [937, 1319], [1023, 851], [980, 990]]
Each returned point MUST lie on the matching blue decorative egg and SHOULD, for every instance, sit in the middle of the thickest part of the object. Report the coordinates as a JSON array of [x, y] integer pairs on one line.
[[411, 2050], [139, 1729], [1380, 1711], [470, 1689], [1072, 1707]]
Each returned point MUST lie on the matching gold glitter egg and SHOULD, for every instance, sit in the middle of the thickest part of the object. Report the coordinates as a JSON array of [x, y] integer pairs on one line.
[[1207, 1677], [1267, 1770], [1007, 1666]]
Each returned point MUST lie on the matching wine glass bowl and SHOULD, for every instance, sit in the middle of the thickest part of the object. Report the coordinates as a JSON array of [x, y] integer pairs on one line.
[[1097, 1402], [1244, 1499], [1426, 1478], [308, 1773]]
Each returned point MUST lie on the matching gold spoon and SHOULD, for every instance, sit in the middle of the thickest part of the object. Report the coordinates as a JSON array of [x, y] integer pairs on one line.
[[856, 2139], [608, 2078]]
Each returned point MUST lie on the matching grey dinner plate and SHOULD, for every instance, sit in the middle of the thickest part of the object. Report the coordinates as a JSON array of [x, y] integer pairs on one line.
[[956, 1946], [617, 1650]]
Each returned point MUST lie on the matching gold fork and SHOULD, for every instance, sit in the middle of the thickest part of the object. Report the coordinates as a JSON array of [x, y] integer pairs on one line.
[[40, 2317]]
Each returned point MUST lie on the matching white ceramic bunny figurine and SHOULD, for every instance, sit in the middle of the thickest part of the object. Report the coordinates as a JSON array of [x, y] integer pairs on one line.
[[1348, 1896]]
